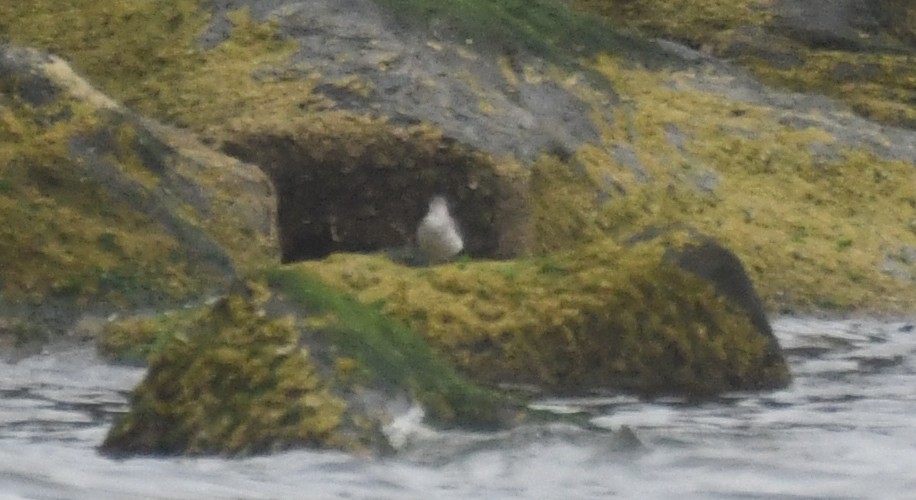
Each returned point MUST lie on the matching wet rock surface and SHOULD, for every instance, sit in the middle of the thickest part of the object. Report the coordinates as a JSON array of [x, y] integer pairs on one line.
[[342, 119]]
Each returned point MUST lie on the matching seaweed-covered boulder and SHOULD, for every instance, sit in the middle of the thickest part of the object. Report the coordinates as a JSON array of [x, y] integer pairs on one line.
[[299, 365], [600, 316], [711, 261], [235, 382], [104, 210]]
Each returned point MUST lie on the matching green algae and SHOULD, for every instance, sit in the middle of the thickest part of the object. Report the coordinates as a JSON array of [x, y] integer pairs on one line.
[[376, 349], [546, 28], [599, 316], [236, 382]]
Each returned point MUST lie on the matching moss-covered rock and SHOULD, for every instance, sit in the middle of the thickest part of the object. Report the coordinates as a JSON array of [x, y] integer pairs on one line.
[[811, 210], [686, 140], [377, 351], [253, 374], [860, 52], [235, 382], [103, 209], [600, 316]]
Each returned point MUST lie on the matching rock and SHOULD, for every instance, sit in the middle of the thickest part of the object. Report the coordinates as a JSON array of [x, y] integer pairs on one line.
[[437, 236], [594, 317], [123, 211], [718, 265], [897, 16], [21, 71], [711, 261], [236, 382], [427, 101], [253, 373], [411, 80], [553, 136], [826, 24]]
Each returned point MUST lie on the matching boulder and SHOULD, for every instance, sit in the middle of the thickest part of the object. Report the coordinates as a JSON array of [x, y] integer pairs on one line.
[[103, 209], [671, 315], [293, 364]]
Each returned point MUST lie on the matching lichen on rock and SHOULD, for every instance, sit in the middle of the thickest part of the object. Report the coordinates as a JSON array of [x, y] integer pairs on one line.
[[859, 52]]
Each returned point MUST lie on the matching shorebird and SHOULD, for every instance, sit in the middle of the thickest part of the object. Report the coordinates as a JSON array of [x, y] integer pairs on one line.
[[437, 236]]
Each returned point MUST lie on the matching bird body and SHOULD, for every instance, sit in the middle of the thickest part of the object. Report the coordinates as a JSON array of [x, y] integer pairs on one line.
[[437, 236]]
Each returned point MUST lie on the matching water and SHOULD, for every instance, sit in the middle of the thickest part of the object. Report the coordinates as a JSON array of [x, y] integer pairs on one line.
[[846, 428]]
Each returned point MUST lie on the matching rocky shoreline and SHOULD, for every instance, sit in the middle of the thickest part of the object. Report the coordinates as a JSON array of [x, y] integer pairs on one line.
[[215, 191]]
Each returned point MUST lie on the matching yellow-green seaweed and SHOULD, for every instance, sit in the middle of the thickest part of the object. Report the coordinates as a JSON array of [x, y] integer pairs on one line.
[[235, 382], [378, 351], [877, 81], [600, 316]]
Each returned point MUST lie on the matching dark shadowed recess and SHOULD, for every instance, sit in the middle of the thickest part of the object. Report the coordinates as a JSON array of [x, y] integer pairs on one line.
[[340, 195]]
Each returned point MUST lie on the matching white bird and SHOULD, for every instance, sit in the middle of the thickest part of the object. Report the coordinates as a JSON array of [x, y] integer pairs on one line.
[[437, 235]]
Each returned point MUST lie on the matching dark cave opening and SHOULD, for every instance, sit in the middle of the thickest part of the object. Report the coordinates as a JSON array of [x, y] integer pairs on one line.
[[337, 194]]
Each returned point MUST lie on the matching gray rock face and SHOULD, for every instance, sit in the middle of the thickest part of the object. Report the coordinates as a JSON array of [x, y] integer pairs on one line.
[[721, 267], [799, 111], [830, 24], [412, 77], [31, 85], [366, 61]]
